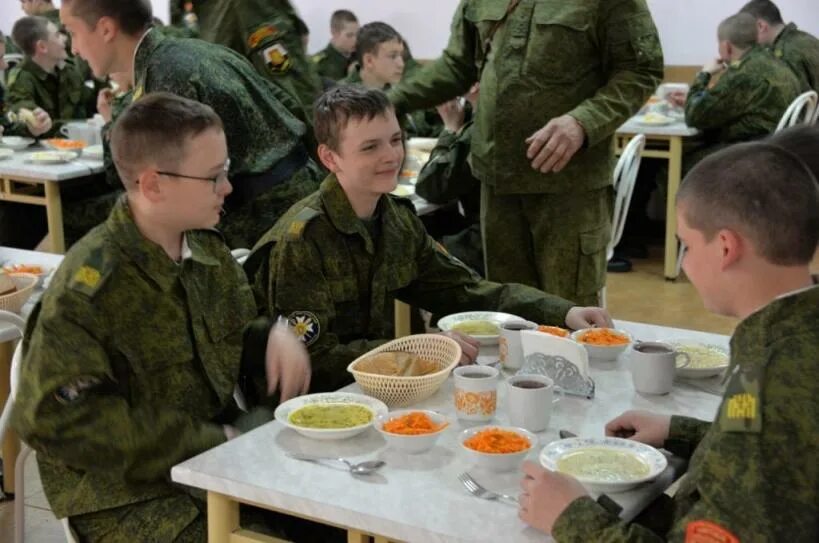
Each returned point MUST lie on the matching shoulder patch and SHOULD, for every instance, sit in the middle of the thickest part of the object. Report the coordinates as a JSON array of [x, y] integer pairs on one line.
[[295, 229], [91, 275], [741, 410], [305, 325], [277, 58], [261, 34], [705, 531]]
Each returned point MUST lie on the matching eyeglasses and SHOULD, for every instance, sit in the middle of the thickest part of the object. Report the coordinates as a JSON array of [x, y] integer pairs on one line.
[[222, 177]]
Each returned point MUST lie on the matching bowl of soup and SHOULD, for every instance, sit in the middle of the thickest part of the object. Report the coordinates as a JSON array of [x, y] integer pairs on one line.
[[330, 416], [481, 325]]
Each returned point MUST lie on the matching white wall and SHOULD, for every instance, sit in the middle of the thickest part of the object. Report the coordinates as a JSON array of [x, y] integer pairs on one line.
[[687, 27]]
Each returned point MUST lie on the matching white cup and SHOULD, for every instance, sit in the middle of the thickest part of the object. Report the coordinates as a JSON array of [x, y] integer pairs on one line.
[[653, 365], [476, 392], [83, 131], [509, 344], [529, 401]]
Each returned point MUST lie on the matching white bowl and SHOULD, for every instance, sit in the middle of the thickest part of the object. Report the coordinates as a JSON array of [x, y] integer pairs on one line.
[[700, 368], [653, 459], [499, 461], [600, 352], [447, 323], [282, 413], [412, 444], [16, 142]]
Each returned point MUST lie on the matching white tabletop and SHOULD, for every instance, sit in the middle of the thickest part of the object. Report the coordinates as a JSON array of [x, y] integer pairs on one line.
[[18, 166], [418, 497], [677, 128], [48, 261]]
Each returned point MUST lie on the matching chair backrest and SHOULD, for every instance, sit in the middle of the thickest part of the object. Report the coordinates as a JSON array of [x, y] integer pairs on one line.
[[20, 324], [801, 111], [12, 59], [625, 175]]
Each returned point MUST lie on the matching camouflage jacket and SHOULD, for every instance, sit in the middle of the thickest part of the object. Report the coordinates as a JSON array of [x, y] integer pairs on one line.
[[750, 475], [746, 103], [596, 60], [800, 51], [269, 34], [130, 362], [63, 94], [336, 278], [330, 63]]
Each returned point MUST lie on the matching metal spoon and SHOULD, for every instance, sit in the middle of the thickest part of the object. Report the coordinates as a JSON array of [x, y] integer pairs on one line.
[[361, 468]]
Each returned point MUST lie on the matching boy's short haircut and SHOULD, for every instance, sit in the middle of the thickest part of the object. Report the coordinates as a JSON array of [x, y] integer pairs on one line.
[[739, 30], [371, 36], [132, 16], [802, 141], [28, 31], [764, 192], [341, 17], [765, 10], [335, 108], [155, 130]]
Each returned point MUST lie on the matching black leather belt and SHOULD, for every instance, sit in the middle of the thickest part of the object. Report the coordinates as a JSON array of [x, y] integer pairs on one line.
[[247, 187]]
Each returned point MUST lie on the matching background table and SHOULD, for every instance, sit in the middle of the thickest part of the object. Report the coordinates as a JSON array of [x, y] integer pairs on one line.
[[19, 182], [415, 497], [664, 142]]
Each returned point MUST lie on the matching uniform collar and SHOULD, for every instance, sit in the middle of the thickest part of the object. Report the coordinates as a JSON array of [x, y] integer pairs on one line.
[[147, 255], [789, 28], [753, 51], [146, 46], [340, 211], [36, 70]]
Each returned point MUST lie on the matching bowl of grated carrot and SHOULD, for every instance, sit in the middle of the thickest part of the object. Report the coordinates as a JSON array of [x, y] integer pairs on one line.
[[497, 448], [412, 430], [603, 343]]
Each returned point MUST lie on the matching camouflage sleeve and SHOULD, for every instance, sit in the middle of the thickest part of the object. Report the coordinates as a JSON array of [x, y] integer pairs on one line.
[[586, 520], [445, 285], [633, 59], [73, 404], [450, 75], [718, 106], [447, 175], [298, 290], [685, 435], [21, 94]]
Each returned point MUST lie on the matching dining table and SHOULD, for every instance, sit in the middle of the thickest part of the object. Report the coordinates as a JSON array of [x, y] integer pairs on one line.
[[418, 497]]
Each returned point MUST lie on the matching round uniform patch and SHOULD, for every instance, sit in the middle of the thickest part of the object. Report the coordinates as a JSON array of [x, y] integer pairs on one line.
[[305, 325]]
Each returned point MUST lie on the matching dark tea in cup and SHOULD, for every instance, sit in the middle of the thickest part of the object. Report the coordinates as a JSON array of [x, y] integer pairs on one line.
[[652, 348], [528, 384]]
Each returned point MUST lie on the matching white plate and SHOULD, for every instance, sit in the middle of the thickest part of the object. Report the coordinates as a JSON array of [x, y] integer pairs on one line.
[[16, 142], [654, 120], [93, 152], [446, 323], [51, 157], [404, 190], [422, 144], [6, 153], [282, 413], [694, 372], [654, 459]]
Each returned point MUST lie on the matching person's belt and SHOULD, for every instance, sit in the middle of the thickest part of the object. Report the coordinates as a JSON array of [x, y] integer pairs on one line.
[[247, 187]]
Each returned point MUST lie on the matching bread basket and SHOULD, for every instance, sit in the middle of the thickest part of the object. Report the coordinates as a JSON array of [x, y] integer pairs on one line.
[[25, 283], [398, 391]]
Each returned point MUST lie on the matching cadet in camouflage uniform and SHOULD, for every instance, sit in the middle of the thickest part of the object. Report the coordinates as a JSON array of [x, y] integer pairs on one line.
[[748, 100], [269, 33], [335, 271], [579, 67], [796, 48], [48, 79], [270, 166], [334, 60], [748, 478]]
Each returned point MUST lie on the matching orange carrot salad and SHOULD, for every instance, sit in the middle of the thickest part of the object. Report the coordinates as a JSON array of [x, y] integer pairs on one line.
[[413, 424], [497, 441], [604, 337], [22, 268], [554, 330]]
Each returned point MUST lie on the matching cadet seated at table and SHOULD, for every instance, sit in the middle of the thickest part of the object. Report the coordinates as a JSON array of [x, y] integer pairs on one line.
[[333, 61], [748, 478], [40, 121], [337, 261], [131, 358], [380, 56], [47, 78]]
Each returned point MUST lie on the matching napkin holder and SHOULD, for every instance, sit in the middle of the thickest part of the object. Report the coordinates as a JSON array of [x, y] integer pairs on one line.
[[562, 360]]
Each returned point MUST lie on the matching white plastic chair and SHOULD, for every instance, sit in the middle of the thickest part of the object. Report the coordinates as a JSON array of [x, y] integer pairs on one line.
[[803, 110], [625, 176], [25, 450], [12, 59]]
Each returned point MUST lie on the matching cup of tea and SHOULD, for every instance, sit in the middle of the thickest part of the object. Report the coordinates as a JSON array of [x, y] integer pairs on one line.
[[509, 344], [476, 392], [653, 365], [529, 401]]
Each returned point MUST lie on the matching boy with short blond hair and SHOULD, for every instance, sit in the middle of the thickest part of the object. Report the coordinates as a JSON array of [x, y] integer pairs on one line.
[[749, 217], [338, 260]]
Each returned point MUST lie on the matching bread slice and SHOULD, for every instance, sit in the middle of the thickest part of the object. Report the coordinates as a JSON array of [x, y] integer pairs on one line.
[[421, 366], [380, 364], [7, 286]]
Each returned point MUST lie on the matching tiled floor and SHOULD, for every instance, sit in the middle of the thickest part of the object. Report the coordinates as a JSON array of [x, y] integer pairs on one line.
[[642, 295]]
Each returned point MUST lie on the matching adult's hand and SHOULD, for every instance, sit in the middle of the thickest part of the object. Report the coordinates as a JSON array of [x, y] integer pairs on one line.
[[587, 317], [40, 124], [554, 145], [469, 346], [545, 495], [641, 426], [287, 363], [677, 98], [105, 101], [452, 113]]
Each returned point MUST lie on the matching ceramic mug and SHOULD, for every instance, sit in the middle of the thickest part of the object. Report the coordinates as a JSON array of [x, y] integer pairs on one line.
[[509, 344], [82, 131], [476, 392], [529, 401], [653, 365]]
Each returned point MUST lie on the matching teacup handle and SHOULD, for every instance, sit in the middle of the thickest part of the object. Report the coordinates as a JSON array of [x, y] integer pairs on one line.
[[684, 355], [64, 130], [559, 395]]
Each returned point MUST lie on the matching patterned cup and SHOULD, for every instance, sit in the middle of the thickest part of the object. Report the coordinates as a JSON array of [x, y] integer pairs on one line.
[[476, 392]]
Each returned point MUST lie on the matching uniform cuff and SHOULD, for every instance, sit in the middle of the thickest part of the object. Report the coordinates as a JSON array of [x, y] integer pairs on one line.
[[582, 521], [254, 346], [684, 434]]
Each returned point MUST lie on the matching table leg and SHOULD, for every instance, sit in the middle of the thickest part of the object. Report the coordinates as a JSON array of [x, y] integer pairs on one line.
[[54, 214], [402, 319], [354, 536], [223, 518], [11, 445], [674, 176]]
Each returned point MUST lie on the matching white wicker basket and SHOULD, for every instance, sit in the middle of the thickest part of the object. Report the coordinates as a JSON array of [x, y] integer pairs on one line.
[[403, 391], [25, 283]]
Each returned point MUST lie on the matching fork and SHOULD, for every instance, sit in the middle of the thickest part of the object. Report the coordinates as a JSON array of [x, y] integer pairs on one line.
[[479, 491]]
